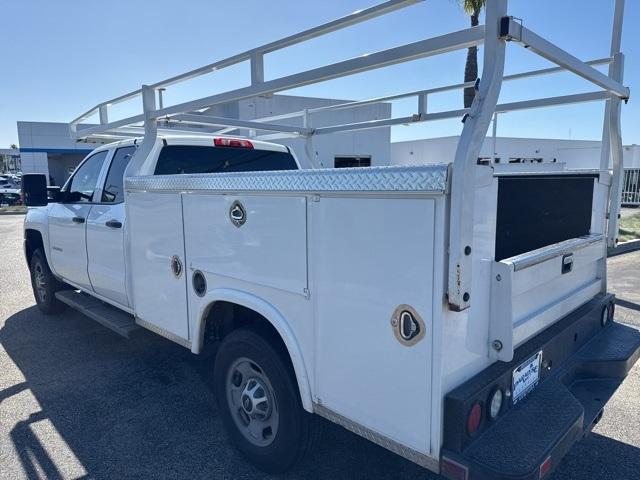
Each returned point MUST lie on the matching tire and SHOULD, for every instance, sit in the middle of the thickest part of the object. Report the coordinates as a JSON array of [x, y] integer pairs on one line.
[[247, 364], [45, 285]]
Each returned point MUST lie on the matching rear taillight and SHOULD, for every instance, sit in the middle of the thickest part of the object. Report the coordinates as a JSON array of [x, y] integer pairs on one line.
[[232, 142], [474, 418]]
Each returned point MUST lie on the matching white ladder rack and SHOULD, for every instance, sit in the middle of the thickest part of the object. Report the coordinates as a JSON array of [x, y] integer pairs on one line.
[[498, 29]]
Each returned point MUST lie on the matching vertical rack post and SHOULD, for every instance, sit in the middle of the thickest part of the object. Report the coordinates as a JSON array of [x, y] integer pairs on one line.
[[475, 128], [495, 137], [612, 136], [257, 68], [615, 144], [423, 102], [104, 115], [150, 131], [308, 141]]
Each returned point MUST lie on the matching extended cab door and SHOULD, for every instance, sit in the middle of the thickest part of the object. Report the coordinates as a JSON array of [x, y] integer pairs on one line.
[[106, 233], [67, 222]]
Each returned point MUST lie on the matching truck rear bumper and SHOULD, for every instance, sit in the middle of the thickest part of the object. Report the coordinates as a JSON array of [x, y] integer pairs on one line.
[[583, 363]]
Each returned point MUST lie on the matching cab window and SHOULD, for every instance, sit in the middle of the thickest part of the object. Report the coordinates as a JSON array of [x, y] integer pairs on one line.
[[113, 191], [83, 183], [176, 159]]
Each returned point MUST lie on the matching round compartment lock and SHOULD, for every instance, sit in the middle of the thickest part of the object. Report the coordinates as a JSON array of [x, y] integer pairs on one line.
[[176, 266], [237, 214], [407, 325]]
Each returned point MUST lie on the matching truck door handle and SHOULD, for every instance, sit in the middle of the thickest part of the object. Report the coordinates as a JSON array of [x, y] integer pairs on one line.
[[77, 220], [113, 224]]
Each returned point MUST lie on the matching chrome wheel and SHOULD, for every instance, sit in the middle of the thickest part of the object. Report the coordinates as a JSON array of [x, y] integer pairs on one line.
[[40, 280], [252, 402]]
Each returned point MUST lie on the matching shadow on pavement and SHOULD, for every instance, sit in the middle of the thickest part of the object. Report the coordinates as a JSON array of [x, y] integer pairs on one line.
[[600, 457], [141, 408]]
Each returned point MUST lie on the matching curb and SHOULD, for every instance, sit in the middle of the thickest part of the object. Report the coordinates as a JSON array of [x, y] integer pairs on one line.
[[12, 213], [625, 247]]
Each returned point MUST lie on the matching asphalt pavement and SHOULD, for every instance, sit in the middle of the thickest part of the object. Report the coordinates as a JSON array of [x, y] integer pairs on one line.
[[79, 402]]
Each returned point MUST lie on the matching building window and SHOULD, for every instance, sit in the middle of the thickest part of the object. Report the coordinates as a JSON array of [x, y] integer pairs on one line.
[[351, 162]]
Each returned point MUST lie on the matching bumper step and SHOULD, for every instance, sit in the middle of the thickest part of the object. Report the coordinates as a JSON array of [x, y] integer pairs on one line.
[[519, 442], [569, 400], [120, 322]]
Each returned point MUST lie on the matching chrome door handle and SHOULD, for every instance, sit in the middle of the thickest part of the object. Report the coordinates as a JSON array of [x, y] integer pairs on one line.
[[77, 220], [113, 224]]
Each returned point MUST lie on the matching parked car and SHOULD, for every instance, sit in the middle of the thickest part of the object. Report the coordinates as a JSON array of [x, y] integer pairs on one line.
[[8, 199]]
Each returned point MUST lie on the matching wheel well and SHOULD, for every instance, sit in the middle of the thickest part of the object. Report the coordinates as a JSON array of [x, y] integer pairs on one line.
[[224, 317], [33, 241]]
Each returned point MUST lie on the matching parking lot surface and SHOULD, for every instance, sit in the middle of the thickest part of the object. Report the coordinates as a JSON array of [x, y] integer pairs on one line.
[[78, 401]]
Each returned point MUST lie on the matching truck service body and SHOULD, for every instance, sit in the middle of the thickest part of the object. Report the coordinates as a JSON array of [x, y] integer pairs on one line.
[[339, 292]]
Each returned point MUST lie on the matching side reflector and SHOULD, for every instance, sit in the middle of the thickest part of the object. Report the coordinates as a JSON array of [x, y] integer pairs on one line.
[[545, 467], [232, 142], [473, 421], [453, 470]]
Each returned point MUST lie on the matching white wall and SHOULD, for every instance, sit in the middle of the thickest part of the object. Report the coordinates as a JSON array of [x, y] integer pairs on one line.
[[574, 153]]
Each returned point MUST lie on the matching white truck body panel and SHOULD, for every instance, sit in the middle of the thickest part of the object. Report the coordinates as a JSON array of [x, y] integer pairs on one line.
[[275, 224], [159, 297], [370, 255], [305, 251]]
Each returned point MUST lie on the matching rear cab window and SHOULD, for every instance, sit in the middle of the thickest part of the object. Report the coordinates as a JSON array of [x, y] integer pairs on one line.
[[177, 159]]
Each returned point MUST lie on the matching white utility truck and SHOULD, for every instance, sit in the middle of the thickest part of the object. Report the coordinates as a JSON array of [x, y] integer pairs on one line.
[[456, 314]]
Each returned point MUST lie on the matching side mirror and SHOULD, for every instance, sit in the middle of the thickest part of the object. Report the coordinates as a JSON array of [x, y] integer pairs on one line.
[[34, 188]]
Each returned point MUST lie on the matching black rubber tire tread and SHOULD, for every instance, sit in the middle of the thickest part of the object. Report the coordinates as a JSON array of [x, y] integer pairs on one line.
[[52, 305], [298, 430]]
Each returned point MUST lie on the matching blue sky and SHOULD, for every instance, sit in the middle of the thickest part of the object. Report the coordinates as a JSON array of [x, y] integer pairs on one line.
[[61, 58]]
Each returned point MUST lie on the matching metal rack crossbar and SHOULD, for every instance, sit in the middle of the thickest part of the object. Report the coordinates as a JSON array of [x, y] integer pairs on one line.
[[499, 28]]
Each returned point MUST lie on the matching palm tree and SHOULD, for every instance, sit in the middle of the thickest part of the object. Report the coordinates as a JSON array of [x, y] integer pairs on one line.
[[473, 9]]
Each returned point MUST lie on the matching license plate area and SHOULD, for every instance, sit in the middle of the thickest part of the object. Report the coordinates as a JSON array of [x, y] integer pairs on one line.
[[526, 377]]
